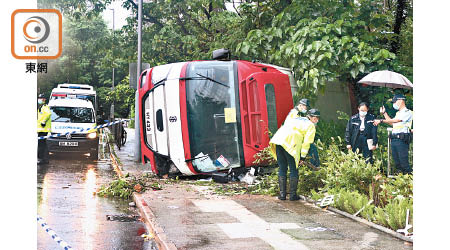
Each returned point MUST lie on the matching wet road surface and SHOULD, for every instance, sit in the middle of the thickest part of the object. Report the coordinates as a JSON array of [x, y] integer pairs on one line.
[[66, 201]]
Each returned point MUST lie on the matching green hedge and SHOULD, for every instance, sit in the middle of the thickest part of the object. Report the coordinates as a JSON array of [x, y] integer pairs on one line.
[[354, 183]]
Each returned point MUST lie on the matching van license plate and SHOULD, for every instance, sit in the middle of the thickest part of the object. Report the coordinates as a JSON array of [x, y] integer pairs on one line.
[[68, 143]]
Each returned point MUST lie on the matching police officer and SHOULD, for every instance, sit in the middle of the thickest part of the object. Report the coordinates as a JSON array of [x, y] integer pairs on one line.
[[302, 107], [401, 132], [43, 127], [360, 127], [300, 110], [290, 146]]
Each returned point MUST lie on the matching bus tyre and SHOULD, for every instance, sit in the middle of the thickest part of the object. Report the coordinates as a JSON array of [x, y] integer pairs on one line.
[[93, 154], [162, 165]]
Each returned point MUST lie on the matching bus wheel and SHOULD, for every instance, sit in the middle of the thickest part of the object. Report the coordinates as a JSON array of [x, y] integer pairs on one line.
[[162, 165], [173, 170]]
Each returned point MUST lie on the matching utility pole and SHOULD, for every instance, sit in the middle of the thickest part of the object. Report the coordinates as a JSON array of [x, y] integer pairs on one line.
[[112, 106], [137, 147]]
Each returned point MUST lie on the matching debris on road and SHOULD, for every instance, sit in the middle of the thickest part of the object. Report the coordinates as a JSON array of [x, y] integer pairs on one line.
[[123, 217], [138, 188], [248, 178], [220, 177], [326, 201], [147, 237], [122, 187]]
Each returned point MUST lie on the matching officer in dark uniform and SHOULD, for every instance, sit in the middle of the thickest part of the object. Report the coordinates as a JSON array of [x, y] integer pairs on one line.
[[401, 132], [360, 128]]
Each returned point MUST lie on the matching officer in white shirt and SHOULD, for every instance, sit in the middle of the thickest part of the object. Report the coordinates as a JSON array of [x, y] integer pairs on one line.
[[401, 132]]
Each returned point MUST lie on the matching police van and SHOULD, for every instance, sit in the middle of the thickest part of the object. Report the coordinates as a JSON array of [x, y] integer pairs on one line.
[[75, 91], [73, 120]]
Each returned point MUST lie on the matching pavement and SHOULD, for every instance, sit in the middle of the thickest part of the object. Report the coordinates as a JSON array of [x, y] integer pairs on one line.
[[187, 216]]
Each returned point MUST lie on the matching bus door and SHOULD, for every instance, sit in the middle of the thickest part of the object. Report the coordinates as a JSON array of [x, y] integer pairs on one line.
[[265, 101], [155, 112]]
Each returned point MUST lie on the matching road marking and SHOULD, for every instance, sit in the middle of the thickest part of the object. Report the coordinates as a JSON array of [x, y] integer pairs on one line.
[[250, 224]]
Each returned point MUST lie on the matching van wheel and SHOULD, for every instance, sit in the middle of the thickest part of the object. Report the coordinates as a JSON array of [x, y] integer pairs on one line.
[[93, 155]]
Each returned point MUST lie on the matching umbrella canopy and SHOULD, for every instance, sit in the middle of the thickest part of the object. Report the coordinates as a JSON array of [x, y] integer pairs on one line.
[[386, 78]]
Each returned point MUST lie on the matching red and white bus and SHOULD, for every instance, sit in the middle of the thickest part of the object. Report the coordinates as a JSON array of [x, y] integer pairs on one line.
[[203, 116]]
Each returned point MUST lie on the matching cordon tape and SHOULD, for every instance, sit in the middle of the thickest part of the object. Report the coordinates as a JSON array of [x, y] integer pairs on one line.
[[52, 233], [78, 131]]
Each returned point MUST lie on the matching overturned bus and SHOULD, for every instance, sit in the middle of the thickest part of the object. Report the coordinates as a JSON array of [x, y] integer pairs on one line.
[[204, 116]]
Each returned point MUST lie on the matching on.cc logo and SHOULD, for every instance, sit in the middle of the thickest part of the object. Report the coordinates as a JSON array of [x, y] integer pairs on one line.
[[36, 29], [36, 34]]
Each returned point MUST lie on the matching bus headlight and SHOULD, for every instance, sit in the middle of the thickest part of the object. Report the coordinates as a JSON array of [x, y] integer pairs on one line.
[[92, 135]]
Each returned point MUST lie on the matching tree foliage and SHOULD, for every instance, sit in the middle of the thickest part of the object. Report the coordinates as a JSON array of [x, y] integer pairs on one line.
[[321, 40], [324, 41]]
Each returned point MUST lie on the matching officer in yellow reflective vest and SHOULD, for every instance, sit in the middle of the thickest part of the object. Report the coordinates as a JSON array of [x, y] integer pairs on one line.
[[43, 127], [401, 132], [290, 146], [301, 111]]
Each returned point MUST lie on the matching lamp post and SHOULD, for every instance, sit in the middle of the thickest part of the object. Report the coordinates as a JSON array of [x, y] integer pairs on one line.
[[112, 106], [137, 147]]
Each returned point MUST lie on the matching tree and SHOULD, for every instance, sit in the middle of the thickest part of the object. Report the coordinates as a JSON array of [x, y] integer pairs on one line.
[[321, 40], [86, 57], [324, 41]]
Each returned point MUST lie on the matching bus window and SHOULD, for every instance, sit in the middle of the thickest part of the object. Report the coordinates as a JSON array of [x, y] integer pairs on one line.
[[271, 108], [159, 120]]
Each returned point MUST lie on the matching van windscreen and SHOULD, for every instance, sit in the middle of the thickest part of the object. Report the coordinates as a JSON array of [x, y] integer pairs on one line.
[[72, 114]]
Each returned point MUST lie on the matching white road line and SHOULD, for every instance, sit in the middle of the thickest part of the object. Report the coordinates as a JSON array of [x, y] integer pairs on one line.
[[250, 224]]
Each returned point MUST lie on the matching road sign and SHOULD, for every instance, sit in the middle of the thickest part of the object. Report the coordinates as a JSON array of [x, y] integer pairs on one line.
[[133, 73]]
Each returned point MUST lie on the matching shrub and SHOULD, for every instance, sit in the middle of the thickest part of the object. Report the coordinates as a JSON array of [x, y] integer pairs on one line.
[[352, 202], [353, 181], [310, 181], [264, 157], [327, 129], [400, 186], [131, 123], [346, 170], [393, 215]]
